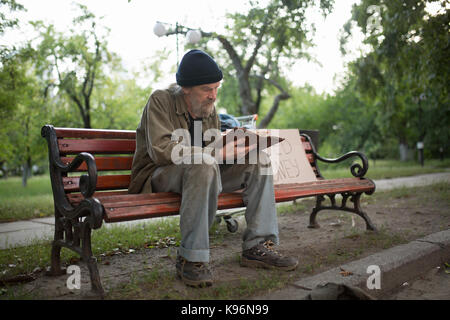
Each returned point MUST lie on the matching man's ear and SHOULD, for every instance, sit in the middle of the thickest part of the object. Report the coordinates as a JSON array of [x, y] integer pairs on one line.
[[186, 90]]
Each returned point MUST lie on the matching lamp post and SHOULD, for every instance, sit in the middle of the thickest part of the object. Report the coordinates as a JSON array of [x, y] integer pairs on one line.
[[165, 29], [420, 144]]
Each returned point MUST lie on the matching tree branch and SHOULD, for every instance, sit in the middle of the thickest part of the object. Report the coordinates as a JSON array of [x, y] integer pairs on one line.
[[231, 53], [260, 82], [258, 45], [276, 102], [248, 105]]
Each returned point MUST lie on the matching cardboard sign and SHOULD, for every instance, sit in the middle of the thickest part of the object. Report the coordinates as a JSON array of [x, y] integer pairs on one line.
[[289, 161]]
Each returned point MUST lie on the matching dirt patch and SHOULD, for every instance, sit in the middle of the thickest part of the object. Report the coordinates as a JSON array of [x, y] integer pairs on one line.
[[400, 216]]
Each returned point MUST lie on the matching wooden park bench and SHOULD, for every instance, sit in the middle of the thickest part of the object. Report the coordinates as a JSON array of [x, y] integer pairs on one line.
[[86, 199]]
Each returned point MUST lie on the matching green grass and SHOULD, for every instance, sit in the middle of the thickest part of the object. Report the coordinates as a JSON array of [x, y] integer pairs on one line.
[[114, 240], [384, 169], [21, 203]]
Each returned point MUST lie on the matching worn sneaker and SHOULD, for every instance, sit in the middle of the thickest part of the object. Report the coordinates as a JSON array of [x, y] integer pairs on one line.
[[264, 256], [195, 274]]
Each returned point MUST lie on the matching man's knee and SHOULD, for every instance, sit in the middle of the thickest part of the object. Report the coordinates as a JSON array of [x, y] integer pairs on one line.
[[203, 173], [263, 166]]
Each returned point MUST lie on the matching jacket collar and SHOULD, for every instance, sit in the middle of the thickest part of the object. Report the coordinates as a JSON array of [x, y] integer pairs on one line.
[[180, 105]]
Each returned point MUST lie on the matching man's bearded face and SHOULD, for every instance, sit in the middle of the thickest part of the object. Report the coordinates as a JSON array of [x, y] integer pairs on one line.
[[202, 99]]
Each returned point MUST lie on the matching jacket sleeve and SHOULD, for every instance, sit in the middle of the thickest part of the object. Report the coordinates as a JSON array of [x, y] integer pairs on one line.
[[159, 130]]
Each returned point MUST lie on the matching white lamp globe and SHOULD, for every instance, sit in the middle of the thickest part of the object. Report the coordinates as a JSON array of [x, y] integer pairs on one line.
[[193, 36], [159, 29]]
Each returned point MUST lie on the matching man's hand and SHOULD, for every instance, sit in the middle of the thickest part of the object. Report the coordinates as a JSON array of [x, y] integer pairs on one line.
[[238, 150]]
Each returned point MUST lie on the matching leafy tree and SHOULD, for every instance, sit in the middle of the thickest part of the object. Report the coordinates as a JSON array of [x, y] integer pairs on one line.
[[8, 5], [20, 126], [119, 104], [8, 74], [75, 63], [407, 70]]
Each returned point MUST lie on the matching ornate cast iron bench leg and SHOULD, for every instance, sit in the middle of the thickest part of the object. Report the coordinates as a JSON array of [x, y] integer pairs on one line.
[[312, 218], [91, 261], [75, 234], [55, 264], [355, 198]]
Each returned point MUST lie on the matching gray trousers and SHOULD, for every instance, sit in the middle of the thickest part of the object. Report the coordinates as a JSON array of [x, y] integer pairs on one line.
[[200, 186]]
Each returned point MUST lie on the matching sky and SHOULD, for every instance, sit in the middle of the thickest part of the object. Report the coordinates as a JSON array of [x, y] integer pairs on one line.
[[132, 38]]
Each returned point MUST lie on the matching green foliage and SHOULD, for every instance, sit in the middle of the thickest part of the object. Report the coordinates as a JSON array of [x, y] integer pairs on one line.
[[119, 104], [10, 6], [22, 109], [67, 79], [406, 73], [79, 60]]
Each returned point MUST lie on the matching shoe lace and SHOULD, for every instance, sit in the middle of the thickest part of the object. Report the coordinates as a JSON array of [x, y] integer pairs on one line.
[[202, 267], [269, 246]]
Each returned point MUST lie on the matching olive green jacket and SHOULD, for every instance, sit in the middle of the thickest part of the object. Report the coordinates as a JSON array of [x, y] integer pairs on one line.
[[164, 113]]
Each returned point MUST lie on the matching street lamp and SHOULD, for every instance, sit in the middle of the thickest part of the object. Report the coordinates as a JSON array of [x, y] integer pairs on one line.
[[165, 29], [420, 144]]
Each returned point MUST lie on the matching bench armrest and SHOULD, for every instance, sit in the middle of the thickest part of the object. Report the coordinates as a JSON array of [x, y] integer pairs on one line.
[[356, 169], [90, 206], [87, 182]]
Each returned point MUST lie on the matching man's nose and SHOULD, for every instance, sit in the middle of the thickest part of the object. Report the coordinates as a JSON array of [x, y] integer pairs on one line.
[[212, 95]]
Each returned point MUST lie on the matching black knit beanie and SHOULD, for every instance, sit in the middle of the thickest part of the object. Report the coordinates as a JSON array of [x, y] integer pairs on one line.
[[197, 68]]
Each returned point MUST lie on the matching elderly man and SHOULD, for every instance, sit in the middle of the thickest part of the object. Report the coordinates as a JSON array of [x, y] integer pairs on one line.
[[189, 105]]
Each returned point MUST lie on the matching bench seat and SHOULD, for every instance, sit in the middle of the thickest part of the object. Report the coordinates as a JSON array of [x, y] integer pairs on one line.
[[121, 206]]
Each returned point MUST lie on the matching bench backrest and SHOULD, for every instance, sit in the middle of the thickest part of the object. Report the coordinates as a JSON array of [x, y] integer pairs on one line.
[[113, 151]]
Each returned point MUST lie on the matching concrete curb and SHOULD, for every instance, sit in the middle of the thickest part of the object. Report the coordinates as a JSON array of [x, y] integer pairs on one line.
[[397, 265]]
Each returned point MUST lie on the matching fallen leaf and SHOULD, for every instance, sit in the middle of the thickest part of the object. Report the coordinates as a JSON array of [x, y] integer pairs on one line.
[[336, 224], [345, 273]]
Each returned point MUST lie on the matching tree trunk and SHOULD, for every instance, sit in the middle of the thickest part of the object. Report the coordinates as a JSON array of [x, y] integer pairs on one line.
[[276, 102], [404, 151], [87, 121], [248, 105], [26, 171], [3, 169], [269, 116]]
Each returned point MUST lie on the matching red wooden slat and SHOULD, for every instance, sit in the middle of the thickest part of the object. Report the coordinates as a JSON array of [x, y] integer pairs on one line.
[[169, 204], [289, 194], [105, 163], [310, 157], [130, 207], [94, 133], [110, 182], [96, 146], [132, 200], [316, 185], [142, 212], [75, 198], [306, 146]]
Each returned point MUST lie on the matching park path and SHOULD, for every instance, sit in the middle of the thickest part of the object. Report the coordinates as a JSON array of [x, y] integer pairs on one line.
[[20, 233]]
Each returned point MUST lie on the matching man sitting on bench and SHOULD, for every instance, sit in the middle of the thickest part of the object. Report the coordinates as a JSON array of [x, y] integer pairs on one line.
[[189, 105]]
